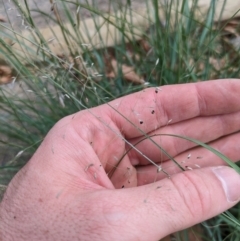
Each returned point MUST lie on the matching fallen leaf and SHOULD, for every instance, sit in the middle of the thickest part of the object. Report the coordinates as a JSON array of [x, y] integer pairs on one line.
[[127, 71], [5, 74]]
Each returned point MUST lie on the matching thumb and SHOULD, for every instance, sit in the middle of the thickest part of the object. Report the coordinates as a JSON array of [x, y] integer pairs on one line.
[[180, 202]]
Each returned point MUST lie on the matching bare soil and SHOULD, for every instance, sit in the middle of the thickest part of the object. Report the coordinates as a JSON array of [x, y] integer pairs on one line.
[[10, 13]]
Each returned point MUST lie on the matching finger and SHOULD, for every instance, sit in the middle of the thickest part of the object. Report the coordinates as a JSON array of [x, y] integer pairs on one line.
[[170, 205], [170, 103], [204, 129], [152, 108], [195, 158]]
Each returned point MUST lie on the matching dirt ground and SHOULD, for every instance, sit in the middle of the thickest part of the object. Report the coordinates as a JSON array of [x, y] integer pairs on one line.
[[9, 12]]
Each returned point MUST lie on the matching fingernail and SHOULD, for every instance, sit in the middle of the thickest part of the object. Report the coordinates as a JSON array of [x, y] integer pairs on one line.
[[230, 181]]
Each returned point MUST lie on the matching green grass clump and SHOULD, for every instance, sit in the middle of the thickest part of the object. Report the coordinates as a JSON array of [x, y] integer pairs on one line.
[[46, 87]]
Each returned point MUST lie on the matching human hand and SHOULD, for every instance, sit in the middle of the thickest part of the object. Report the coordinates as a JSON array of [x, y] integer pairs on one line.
[[75, 188]]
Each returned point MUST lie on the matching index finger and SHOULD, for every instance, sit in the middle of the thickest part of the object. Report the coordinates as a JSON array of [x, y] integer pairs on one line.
[[152, 108]]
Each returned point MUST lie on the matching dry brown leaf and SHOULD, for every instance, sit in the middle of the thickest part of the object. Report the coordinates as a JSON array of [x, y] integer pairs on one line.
[[5, 74], [231, 26], [231, 33], [233, 23], [128, 73], [145, 45], [218, 64]]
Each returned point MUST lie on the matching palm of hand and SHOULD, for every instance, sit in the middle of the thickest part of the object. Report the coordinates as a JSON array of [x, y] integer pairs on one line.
[[74, 173]]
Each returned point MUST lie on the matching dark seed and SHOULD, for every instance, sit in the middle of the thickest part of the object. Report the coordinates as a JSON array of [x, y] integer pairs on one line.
[[141, 122], [153, 111]]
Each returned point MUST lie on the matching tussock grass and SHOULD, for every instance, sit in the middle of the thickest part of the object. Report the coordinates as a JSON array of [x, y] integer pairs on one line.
[[47, 86]]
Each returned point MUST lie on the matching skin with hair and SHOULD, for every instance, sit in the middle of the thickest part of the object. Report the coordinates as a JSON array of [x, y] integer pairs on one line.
[[65, 193]]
